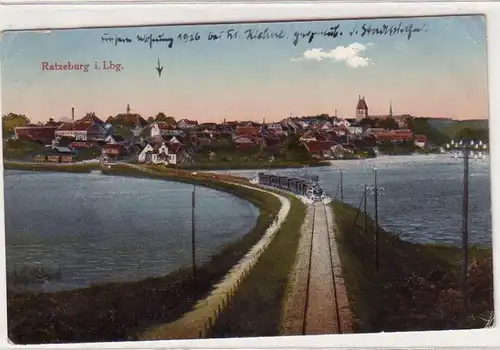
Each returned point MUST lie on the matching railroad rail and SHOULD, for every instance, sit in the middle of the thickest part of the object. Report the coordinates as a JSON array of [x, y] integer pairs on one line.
[[321, 309]]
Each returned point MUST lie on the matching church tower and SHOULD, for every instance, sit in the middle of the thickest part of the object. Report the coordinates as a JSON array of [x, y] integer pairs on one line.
[[361, 109], [128, 108], [390, 109]]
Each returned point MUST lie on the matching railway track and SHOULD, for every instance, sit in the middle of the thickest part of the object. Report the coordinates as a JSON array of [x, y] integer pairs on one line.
[[321, 309]]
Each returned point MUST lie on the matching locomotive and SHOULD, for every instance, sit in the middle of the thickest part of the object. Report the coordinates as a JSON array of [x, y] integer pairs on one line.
[[307, 188]]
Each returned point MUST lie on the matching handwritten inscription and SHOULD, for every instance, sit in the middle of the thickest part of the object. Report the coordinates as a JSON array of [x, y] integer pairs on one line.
[[107, 65], [400, 29], [268, 33]]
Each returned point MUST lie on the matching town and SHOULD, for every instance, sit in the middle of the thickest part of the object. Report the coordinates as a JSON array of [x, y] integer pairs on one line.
[[163, 140]]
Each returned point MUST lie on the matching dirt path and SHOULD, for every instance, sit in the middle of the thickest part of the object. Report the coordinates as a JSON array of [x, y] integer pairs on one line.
[[194, 323], [293, 317]]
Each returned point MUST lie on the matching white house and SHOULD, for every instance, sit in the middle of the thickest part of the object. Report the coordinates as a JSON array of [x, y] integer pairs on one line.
[[276, 127], [163, 129], [157, 155], [187, 124], [355, 129]]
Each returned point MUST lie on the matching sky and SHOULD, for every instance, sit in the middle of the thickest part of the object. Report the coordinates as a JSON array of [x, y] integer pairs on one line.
[[440, 71]]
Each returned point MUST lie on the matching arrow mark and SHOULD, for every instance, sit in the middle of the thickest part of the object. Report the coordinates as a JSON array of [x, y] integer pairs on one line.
[[159, 68]]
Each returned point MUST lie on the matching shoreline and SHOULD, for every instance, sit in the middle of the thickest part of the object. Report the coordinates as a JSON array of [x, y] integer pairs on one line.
[[170, 296]]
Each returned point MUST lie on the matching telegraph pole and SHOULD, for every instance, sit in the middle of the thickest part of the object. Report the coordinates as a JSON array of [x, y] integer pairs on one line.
[[465, 234], [193, 230], [341, 187], [376, 223], [365, 213]]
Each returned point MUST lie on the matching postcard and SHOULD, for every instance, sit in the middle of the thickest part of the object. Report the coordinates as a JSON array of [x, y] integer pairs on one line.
[[246, 179]]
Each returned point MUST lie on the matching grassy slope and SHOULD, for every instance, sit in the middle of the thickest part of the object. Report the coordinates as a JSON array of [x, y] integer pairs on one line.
[[257, 307], [118, 311], [394, 299]]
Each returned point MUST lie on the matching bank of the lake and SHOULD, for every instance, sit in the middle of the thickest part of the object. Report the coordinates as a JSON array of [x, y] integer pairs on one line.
[[69, 168], [251, 165], [119, 311], [418, 285]]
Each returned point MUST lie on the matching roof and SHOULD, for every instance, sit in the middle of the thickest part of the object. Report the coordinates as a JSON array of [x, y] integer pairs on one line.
[[174, 148], [63, 150], [187, 121], [420, 138], [117, 137], [165, 126], [361, 103], [247, 130], [402, 131], [318, 146], [35, 133], [91, 118], [76, 126], [392, 136]]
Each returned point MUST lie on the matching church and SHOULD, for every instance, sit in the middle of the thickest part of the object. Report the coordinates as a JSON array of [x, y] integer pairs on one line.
[[362, 113]]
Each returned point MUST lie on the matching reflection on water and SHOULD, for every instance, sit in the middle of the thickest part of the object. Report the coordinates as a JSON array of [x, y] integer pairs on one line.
[[421, 196], [85, 229]]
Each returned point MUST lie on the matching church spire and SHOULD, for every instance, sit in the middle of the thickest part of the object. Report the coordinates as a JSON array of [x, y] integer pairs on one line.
[[390, 109]]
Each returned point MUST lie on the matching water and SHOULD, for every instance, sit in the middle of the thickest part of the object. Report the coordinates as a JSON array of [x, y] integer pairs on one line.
[[91, 228], [420, 197]]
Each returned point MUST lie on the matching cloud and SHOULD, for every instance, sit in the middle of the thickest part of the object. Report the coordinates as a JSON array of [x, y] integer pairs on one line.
[[350, 55]]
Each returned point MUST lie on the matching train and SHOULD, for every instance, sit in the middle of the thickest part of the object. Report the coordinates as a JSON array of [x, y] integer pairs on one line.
[[307, 188]]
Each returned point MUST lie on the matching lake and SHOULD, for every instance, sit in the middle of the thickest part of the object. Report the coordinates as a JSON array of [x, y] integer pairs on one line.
[[420, 197], [84, 229]]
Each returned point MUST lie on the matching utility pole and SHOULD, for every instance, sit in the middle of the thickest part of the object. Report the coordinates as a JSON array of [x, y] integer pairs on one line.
[[376, 223], [341, 187], [465, 235], [193, 230], [364, 210]]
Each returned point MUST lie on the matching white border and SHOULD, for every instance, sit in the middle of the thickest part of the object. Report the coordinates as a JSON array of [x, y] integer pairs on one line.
[[70, 15]]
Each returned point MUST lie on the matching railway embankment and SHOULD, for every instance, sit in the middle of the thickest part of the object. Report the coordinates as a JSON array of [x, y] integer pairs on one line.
[[417, 286]]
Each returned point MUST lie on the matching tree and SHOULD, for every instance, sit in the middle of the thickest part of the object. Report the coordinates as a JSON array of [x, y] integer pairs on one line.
[[161, 117], [368, 122], [13, 120], [472, 134], [150, 120], [421, 126], [294, 148], [171, 121], [387, 123]]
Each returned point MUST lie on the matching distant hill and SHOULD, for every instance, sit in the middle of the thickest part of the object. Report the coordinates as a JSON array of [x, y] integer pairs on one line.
[[451, 127]]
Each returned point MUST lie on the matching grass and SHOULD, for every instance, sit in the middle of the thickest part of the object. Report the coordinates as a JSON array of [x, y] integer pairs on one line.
[[257, 307], [416, 287], [121, 311]]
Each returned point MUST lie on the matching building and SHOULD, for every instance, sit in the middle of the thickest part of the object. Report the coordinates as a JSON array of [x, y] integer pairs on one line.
[[160, 154], [361, 109], [41, 134], [89, 128], [164, 129], [420, 141], [187, 124]]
